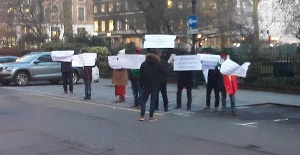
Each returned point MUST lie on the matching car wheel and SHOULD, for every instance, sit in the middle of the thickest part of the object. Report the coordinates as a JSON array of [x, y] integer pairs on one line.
[[54, 81], [5, 83], [21, 79], [75, 77]]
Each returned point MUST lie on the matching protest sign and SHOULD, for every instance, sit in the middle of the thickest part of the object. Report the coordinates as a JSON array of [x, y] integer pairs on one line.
[[230, 67], [131, 61], [159, 41], [65, 56], [209, 61], [187, 62], [85, 59], [113, 62]]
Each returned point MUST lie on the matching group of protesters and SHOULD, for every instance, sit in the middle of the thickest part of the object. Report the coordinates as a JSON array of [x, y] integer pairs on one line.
[[152, 78]]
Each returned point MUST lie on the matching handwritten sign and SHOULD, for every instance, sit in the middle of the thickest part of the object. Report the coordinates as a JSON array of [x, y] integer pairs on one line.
[[131, 61], [113, 62], [85, 59], [65, 56], [187, 62], [159, 41]]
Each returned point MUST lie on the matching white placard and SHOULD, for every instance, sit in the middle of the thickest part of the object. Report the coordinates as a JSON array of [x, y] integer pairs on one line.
[[65, 56], [230, 67], [76, 62], [113, 62], [159, 41], [209, 61], [131, 61], [187, 62], [85, 59], [88, 59]]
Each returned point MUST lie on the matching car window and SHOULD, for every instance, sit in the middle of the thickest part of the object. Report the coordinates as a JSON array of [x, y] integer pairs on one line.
[[45, 58], [2, 59], [27, 58]]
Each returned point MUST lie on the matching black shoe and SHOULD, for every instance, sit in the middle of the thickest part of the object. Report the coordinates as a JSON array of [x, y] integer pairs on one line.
[[188, 109], [156, 109], [166, 110], [177, 107]]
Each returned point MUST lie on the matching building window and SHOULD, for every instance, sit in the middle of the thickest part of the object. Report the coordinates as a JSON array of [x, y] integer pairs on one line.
[[95, 9], [55, 32], [127, 25], [96, 26], [81, 14], [126, 6], [54, 13], [118, 6], [111, 25], [118, 25], [137, 42], [103, 8], [103, 26], [80, 0], [170, 4], [110, 7], [10, 10], [128, 40], [180, 5]]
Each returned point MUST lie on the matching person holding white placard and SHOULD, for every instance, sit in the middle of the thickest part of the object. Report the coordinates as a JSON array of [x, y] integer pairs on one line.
[[87, 78]]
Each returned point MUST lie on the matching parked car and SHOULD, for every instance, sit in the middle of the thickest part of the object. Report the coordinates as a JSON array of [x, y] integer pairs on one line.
[[35, 66], [5, 59]]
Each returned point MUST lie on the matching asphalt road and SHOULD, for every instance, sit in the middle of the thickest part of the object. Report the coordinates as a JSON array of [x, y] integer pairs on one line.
[[36, 121]]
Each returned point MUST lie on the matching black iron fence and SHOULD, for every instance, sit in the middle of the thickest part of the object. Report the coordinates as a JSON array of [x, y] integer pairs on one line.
[[271, 69]]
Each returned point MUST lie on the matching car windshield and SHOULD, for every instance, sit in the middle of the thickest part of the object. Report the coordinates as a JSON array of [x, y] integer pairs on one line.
[[27, 58]]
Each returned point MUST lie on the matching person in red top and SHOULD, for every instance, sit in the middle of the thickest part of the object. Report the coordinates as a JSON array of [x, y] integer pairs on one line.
[[230, 86]]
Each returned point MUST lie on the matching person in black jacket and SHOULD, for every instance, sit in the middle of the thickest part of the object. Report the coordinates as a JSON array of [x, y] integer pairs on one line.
[[87, 78], [185, 80], [67, 76], [213, 83], [149, 71], [163, 81]]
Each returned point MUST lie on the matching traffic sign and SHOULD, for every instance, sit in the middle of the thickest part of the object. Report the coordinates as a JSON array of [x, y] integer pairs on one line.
[[192, 31], [192, 21]]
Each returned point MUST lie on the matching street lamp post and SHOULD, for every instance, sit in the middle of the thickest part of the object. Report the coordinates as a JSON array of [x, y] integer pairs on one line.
[[194, 35]]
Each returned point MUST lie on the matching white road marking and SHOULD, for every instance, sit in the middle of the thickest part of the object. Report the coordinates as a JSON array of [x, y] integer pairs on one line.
[[243, 107], [278, 120], [92, 103], [247, 124]]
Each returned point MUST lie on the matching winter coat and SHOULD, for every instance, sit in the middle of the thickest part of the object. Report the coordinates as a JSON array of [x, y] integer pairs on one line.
[[231, 84], [213, 77], [185, 79], [66, 67], [87, 73], [149, 71], [120, 77], [165, 69]]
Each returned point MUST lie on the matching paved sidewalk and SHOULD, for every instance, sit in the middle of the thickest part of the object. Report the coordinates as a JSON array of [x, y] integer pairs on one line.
[[103, 92]]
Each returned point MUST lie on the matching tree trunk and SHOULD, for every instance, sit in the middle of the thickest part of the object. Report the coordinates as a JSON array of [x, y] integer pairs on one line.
[[67, 20]]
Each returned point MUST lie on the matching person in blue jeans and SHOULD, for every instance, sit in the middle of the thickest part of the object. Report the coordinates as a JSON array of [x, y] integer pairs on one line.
[[87, 78], [149, 71], [136, 89]]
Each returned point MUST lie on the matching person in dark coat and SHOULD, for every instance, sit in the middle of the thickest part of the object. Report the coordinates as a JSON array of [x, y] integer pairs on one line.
[[185, 80], [135, 86], [67, 76], [213, 84], [87, 78], [163, 81], [149, 71]]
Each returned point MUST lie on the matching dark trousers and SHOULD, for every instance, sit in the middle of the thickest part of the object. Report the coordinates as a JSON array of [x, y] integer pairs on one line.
[[67, 80], [87, 86], [148, 91], [137, 92], [163, 89], [188, 94], [209, 89]]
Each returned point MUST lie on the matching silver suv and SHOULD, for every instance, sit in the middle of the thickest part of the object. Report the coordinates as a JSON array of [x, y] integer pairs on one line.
[[35, 66]]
